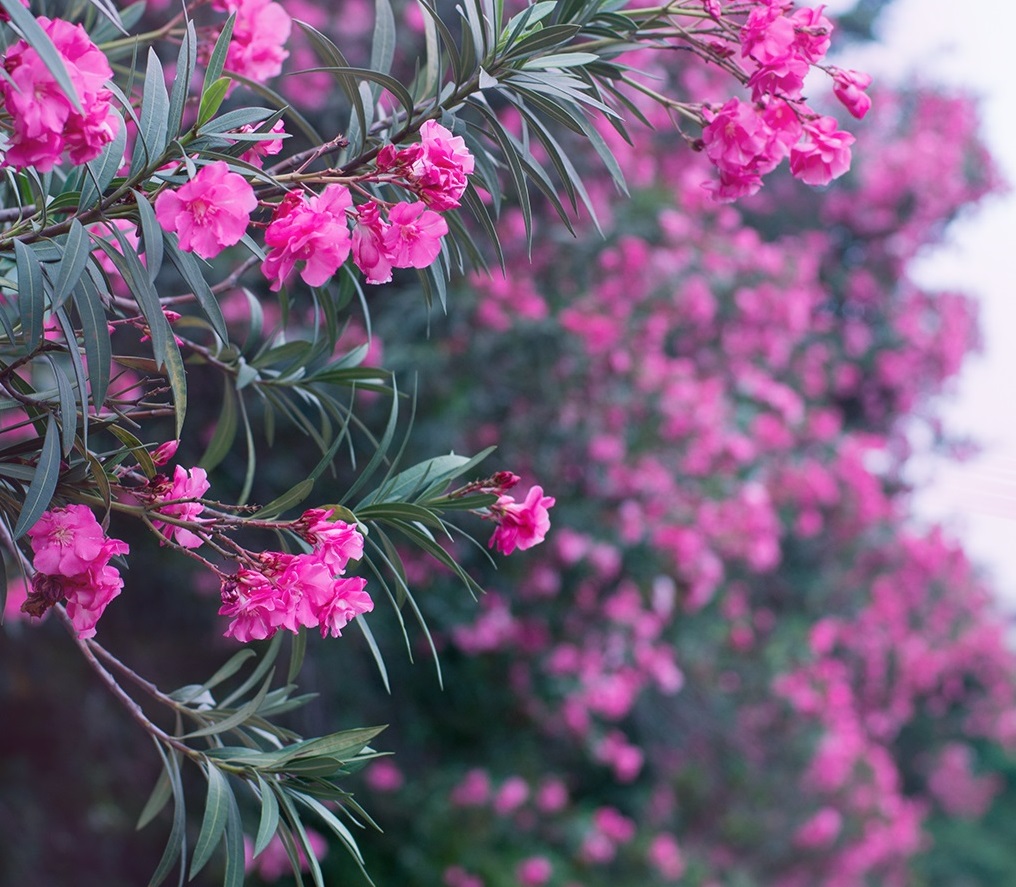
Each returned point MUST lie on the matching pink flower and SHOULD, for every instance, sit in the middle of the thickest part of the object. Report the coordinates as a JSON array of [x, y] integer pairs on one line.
[[823, 154], [263, 148], [849, 87], [89, 594], [413, 237], [521, 525], [210, 212], [336, 543], [67, 541], [534, 871], [439, 172], [260, 32], [72, 555], [311, 231], [735, 137], [369, 252], [813, 33], [187, 485], [45, 123]]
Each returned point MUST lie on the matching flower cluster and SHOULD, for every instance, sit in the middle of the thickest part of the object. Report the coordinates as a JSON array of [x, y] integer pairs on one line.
[[45, 122], [72, 555], [747, 140], [183, 493], [281, 590], [436, 168], [520, 524], [210, 212], [260, 31]]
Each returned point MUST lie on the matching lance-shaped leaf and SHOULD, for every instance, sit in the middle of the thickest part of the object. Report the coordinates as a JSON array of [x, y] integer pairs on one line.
[[213, 823], [76, 248], [154, 117], [185, 62], [101, 171], [31, 293], [269, 820], [47, 473]]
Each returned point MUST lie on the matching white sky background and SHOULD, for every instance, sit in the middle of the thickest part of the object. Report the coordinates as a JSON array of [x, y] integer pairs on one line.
[[969, 45]]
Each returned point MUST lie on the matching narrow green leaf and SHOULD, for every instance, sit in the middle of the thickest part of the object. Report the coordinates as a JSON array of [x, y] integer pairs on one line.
[[77, 366], [137, 449], [161, 793], [95, 333], [211, 100], [375, 651], [238, 717], [176, 845], [154, 117], [271, 654], [213, 823], [269, 816], [185, 61], [382, 46], [31, 293], [293, 496], [72, 265], [47, 473], [213, 71], [68, 408], [151, 234], [235, 859], [296, 654]]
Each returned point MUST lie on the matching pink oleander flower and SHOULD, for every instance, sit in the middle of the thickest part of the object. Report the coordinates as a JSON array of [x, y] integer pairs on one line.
[[210, 212], [768, 35], [68, 541], [849, 87], [164, 452], [260, 31], [440, 169], [521, 525], [293, 590], [813, 33], [72, 554], [823, 154], [735, 136], [335, 542], [45, 123], [313, 231], [190, 485], [88, 596], [413, 236], [259, 150], [369, 252]]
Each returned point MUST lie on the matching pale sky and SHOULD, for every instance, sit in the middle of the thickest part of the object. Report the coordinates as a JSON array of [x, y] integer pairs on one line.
[[969, 45]]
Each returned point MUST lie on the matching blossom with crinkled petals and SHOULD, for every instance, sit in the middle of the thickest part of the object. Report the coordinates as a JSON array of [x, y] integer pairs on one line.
[[187, 485], [439, 171], [849, 87], [45, 123], [260, 31], [413, 236], [89, 594], [312, 231], [263, 148], [335, 542], [521, 524], [67, 541], [813, 33], [369, 244], [72, 554], [210, 212], [823, 154]]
